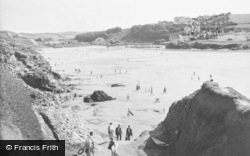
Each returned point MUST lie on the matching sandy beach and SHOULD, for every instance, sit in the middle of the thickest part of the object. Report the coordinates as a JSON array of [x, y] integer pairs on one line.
[[182, 72]]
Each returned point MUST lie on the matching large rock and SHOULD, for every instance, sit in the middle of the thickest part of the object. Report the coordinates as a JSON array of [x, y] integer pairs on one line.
[[212, 121], [67, 125], [98, 96], [87, 99]]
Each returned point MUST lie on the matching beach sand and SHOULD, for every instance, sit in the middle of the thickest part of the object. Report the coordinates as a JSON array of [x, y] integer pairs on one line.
[[147, 67]]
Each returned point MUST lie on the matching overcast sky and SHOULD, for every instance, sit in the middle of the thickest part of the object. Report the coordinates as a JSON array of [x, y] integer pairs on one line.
[[35, 16]]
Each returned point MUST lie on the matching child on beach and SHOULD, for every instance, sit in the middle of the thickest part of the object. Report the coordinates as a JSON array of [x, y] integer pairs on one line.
[[128, 98]]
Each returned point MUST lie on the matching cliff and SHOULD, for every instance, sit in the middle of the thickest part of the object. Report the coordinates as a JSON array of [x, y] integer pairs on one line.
[[212, 121], [21, 56], [30, 107]]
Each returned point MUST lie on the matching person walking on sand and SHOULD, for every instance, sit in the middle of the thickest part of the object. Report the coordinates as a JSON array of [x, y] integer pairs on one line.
[[151, 90], [111, 130], [113, 147], [165, 89], [89, 145], [129, 133], [129, 113], [118, 132], [128, 97]]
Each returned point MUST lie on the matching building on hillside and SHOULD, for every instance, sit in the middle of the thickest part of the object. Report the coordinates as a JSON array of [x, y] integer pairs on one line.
[[216, 22], [237, 28]]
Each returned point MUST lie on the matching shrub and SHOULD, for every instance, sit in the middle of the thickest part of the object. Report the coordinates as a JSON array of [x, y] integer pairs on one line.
[[91, 36]]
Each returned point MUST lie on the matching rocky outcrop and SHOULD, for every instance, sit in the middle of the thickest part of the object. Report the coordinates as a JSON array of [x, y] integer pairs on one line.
[[117, 85], [21, 55], [98, 96], [67, 125], [212, 121], [214, 46]]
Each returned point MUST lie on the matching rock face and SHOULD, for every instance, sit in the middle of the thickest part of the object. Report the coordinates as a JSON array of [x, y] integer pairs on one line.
[[98, 96], [67, 125], [20, 55], [212, 121]]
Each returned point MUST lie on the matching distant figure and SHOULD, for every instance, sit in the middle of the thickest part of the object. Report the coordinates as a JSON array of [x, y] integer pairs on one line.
[[194, 73], [128, 98], [111, 130], [129, 133], [165, 89], [129, 113], [198, 78], [210, 76], [101, 75], [75, 96], [151, 90], [115, 71], [91, 72], [89, 145], [112, 147], [138, 87], [157, 100], [118, 132]]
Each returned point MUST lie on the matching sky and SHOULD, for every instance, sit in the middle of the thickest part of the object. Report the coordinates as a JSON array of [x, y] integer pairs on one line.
[[39, 16]]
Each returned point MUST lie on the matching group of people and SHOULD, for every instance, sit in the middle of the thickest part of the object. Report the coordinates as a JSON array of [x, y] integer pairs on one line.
[[118, 132], [88, 146], [198, 78], [77, 70]]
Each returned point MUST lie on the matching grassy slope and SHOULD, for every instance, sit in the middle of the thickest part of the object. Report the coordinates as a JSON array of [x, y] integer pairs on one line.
[[55, 36], [16, 105]]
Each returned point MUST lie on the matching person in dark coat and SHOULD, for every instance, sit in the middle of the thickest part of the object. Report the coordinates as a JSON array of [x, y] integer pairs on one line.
[[118, 132], [129, 133]]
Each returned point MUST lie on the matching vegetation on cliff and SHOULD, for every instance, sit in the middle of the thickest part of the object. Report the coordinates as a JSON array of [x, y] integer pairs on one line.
[[137, 33]]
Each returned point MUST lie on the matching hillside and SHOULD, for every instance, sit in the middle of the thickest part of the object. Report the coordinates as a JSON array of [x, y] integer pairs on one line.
[[137, 33], [210, 122], [54, 36], [30, 103], [152, 32]]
